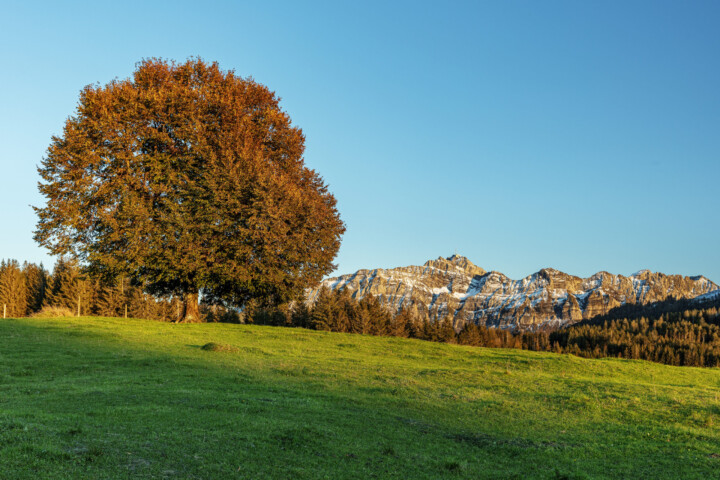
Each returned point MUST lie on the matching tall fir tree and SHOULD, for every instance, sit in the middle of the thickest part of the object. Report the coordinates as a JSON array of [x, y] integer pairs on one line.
[[69, 289], [113, 299], [13, 289], [37, 283]]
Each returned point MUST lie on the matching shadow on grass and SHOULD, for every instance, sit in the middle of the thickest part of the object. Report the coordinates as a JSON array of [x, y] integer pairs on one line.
[[199, 415]]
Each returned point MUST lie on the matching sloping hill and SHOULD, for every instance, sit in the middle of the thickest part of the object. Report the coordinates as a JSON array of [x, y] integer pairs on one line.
[[112, 398]]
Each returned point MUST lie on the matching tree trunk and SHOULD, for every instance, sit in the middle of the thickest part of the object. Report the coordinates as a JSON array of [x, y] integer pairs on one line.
[[191, 310]]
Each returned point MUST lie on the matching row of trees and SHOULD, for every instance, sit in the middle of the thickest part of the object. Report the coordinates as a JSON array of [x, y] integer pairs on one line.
[[686, 337], [30, 289], [669, 333], [690, 337]]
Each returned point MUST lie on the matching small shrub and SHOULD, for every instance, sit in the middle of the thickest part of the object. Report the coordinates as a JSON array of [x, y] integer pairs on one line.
[[389, 451], [218, 347], [54, 311], [454, 466]]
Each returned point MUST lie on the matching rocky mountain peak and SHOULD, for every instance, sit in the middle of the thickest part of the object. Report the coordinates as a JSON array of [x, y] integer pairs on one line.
[[455, 262], [457, 287]]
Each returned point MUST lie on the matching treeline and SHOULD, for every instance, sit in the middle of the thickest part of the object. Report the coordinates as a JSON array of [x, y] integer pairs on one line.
[[29, 289], [654, 310], [668, 332], [338, 311], [689, 337]]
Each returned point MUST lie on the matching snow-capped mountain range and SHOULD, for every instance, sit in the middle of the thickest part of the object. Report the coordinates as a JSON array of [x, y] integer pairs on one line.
[[548, 298]]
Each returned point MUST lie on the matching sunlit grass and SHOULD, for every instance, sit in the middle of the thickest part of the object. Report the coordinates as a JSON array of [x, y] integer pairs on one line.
[[113, 398]]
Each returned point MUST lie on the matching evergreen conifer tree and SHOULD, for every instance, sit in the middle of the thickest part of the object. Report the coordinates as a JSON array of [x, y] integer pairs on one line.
[[37, 282], [69, 289], [13, 289]]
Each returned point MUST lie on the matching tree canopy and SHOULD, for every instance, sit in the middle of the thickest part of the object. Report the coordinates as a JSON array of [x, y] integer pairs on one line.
[[188, 179]]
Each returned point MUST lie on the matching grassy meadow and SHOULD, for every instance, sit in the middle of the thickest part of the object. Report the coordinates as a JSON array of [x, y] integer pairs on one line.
[[108, 398]]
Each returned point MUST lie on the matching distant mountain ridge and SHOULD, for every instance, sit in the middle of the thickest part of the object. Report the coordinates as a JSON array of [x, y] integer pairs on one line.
[[548, 298]]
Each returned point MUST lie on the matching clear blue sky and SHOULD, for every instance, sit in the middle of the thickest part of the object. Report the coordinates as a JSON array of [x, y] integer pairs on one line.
[[579, 135]]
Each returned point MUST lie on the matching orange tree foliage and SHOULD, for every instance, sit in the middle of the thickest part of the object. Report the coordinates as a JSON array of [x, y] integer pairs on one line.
[[188, 179]]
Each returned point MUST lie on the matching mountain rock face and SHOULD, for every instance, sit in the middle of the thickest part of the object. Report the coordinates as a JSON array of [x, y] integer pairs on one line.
[[548, 298]]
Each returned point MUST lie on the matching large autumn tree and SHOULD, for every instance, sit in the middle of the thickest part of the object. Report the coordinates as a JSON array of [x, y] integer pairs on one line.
[[189, 180]]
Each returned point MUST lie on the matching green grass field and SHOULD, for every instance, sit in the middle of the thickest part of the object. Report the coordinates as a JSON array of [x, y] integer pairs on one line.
[[98, 398]]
